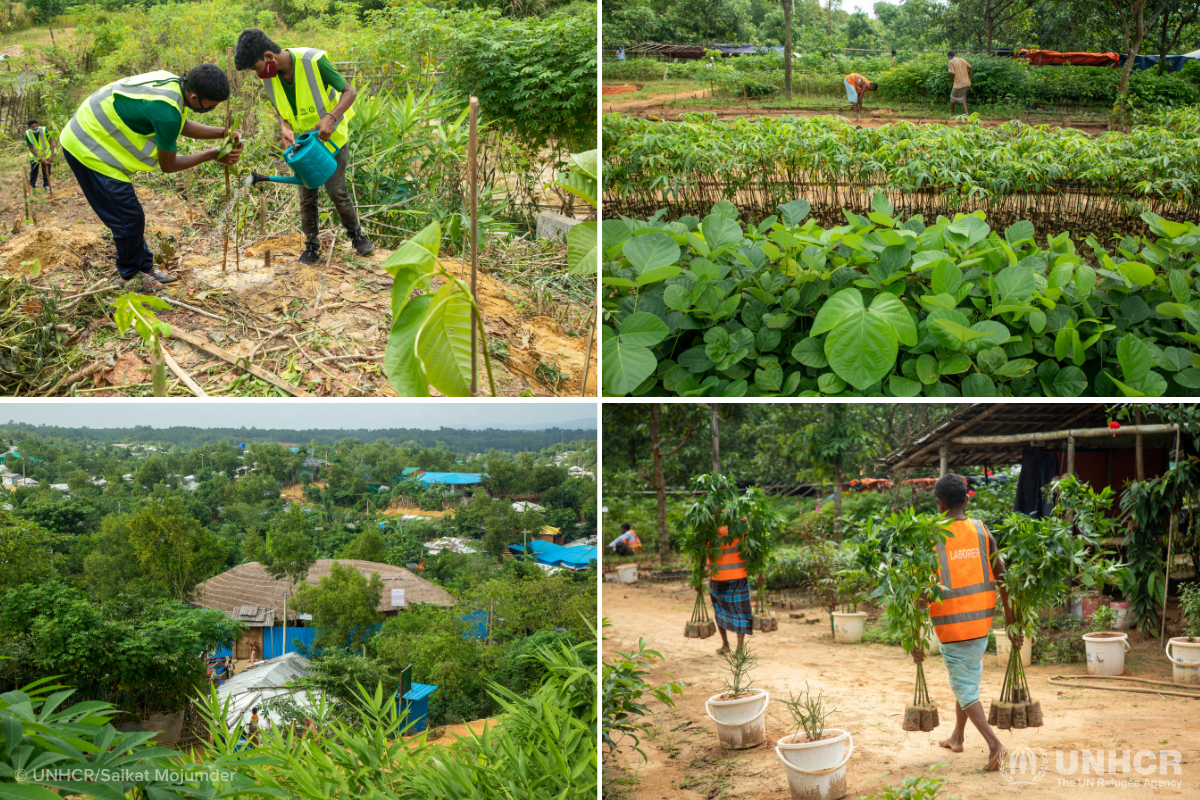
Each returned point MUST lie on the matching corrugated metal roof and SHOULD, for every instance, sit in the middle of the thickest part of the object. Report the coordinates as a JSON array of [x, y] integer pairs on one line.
[[264, 680], [419, 691], [452, 478]]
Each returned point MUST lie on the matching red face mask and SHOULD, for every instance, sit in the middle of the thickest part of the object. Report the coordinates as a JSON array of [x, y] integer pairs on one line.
[[270, 69]]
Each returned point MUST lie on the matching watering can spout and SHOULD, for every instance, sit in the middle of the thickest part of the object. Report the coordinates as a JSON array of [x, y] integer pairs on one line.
[[257, 177]]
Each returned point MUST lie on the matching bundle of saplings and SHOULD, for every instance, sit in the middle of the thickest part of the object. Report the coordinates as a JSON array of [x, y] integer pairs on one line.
[[721, 517], [908, 576], [763, 620], [1042, 559]]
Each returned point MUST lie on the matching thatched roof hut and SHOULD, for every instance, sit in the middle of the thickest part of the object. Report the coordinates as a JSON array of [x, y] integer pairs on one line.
[[246, 587]]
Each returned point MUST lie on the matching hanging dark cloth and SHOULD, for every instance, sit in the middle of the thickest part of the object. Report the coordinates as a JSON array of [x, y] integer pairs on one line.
[[1038, 468]]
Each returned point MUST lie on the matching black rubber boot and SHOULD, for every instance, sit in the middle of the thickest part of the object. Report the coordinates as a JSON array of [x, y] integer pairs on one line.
[[362, 245], [311, 255]]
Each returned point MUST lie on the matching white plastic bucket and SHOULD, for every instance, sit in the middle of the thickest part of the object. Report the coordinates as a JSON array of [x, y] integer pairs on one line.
[[1077, 607], [1185, 660], [1123, 621], [627, 573], [1004, 646], [848, 627], [817, 770], [741, 723], [1106, 654]]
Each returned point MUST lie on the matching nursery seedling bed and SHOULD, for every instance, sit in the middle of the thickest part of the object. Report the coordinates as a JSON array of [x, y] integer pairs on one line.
[[268, 315], [870, 684]]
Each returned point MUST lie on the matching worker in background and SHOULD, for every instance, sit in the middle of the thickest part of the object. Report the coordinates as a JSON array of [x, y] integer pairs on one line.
[[309, 94], [856, 87], [962, 72], [971, 569], [252, 731], [41, 153], [627, 543], [133, 125], [620, 53]]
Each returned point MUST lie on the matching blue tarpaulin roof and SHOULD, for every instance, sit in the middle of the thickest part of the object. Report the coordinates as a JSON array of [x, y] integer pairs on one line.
[[453, 478], [1174, 63], [555, 555]]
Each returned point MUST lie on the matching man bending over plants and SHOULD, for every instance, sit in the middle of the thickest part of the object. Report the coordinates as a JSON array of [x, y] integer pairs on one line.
[[133, 125], [969, 571], [309, 95], [856, 87]]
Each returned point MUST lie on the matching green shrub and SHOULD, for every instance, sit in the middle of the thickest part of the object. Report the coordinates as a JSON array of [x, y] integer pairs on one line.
[[1059, 641], [996, 80], [754, 89]]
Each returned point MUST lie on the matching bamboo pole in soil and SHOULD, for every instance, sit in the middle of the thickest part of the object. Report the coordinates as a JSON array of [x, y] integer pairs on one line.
[[473, 166], [228, 109]]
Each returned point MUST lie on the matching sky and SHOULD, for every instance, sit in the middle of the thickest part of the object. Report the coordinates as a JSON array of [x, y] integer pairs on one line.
[[300, 414]]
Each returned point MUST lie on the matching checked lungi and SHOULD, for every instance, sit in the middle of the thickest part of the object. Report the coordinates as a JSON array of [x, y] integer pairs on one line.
[[731, 605]]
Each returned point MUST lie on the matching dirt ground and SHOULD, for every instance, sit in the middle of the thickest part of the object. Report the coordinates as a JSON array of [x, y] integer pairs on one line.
[[664, 107], [620, 88], [870, 684], [270, 314]]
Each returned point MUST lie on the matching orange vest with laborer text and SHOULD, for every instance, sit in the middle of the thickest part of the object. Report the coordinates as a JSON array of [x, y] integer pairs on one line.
[[636, 544], [729, 565], [969, 596]]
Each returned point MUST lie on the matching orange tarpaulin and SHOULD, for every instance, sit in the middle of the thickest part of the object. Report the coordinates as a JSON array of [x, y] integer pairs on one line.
[[1040, 58], [872, 484]]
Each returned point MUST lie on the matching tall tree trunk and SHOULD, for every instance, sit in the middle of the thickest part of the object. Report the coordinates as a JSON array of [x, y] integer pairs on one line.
[[660, 486], [716, 439], [1162, 45], [787, 49], [1138, 22], [837, 502]]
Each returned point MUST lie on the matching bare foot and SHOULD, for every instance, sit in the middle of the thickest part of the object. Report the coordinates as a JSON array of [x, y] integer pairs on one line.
[[994, 760], [951, 745], [723, 650]]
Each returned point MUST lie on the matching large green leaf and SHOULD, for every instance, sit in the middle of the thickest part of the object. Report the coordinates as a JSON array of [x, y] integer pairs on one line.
[[419, 253], [444, 342], [404, 370], [810, 352], [1015, 285], [654, 256], [968, 231], [581, 249], [643, 329], [625, 366], [794, 212], [863, 346]]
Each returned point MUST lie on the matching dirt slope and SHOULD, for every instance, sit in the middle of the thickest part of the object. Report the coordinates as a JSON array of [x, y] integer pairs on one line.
[[870, 685]]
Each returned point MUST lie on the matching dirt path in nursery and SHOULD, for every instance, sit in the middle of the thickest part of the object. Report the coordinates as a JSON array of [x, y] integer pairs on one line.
[[870, 684], [655, 108], [334, 348]]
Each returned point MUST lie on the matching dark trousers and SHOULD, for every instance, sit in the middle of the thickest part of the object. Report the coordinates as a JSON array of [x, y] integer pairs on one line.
[[335, 187], [33, 173], [623, 549], [116, 204]]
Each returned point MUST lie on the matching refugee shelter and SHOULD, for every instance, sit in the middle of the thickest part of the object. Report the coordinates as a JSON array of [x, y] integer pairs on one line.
[[247, 593], [266, 679], [451, 478], [550, 555]]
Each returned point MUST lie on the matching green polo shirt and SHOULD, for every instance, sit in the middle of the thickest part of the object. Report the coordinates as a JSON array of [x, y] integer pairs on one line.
[[331, 76], [151, 116]]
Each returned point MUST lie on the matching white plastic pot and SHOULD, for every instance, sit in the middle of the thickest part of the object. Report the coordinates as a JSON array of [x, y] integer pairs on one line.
[[1185, 660], [816, 770], [741, 723], [1004, 646], [1106, 654], [848, 628], [627, 573]]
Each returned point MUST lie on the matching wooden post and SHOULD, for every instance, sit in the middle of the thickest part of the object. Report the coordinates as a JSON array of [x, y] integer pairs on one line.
[[1071, 455], [285, 623], [228, 109], [473, 167], [1141, 462], [587, 356], [944, 453]]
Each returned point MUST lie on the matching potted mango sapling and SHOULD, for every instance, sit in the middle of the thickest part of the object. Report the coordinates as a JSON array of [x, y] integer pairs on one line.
[[815, 756], [740, 711], [908, 576], [853, 585], [1184, 651], [728, 537]]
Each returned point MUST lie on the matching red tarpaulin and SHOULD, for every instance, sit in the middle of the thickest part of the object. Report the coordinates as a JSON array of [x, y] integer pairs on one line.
[[1041, 58]]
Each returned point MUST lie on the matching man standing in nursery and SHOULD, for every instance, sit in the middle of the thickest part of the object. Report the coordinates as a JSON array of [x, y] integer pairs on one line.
[[856, 87], [962, 71], [133, 125], [308, 94], [729, 586], [41, 153], [969, 571]]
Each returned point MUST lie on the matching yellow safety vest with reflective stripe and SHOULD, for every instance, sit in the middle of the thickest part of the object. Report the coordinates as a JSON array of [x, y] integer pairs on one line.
[[314, 99], [100, 139], [39, 142]]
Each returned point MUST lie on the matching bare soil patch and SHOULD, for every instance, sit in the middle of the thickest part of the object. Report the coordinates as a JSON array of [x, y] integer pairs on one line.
[[621, 88]]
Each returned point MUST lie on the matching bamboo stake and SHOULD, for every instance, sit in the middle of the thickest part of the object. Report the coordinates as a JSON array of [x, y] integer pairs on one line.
[[1162, 634], [183, 376], [587, 356], [228, 109], [473, 166]]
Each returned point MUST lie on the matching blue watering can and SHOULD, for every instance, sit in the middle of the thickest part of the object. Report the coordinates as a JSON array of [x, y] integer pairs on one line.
[[311, 160]]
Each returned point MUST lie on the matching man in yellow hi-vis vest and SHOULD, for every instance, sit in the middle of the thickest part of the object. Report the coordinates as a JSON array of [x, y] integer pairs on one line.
[[41, 153], [133, 125], [308, 94]]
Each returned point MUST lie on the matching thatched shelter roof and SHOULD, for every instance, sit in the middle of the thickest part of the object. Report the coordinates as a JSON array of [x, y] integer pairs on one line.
[[250, 585]]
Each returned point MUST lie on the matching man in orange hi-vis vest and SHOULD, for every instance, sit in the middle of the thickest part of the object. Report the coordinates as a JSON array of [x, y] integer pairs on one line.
[[856, 86], [729, 587], [969, 571]]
